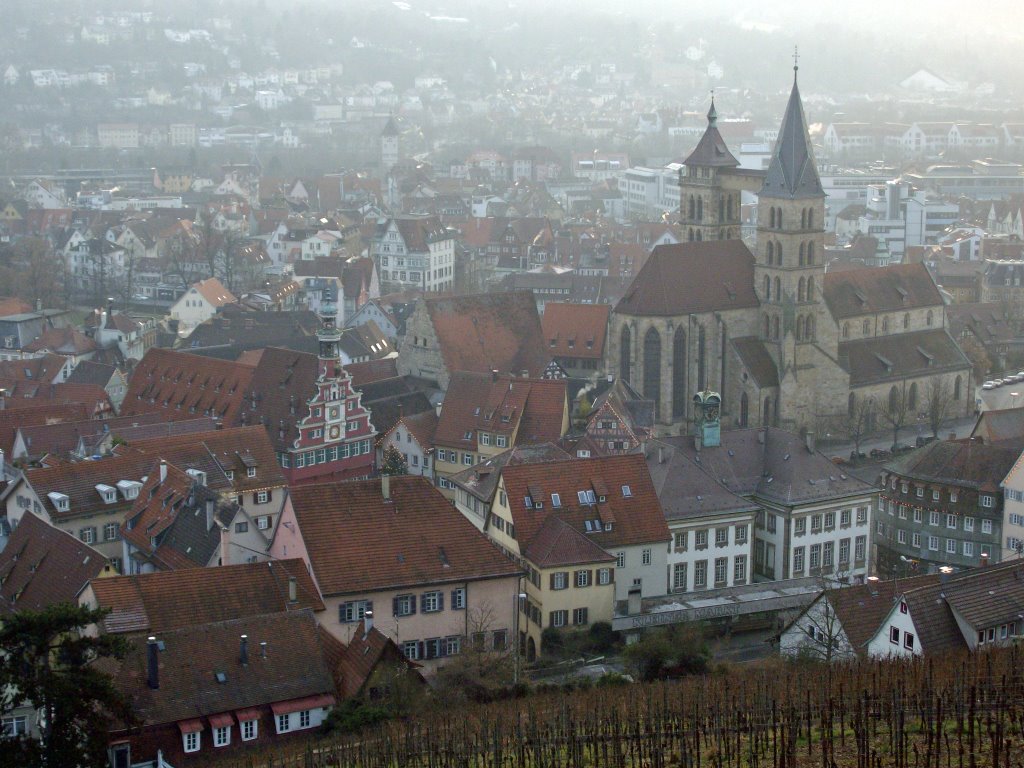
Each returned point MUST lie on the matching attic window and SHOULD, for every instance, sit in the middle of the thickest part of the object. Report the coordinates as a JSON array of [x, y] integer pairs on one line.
[[468, 435], [885, 361], [553, 341], [556, 500], [220, 677], [107, 493], [586, 497], [528, 502], [627, 492], [863, 299], [903, 293]]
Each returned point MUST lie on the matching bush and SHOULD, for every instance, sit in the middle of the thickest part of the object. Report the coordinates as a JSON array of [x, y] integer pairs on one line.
[[673, 651], [354, 715], [602, 637]]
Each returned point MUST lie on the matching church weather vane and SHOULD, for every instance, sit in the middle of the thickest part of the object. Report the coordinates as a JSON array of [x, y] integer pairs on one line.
[[796, 58]]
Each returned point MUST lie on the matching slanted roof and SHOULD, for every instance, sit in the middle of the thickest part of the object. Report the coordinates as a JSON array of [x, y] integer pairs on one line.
[[296, 666], [711, 150], [967, 463], [793, 172], [757, 360], [575, 330], [686, 490], [936, 627], [896, 288], [361, 656], [556, 543], [358, 541], [666, 285], [165, 600], [481, 479], [214, 291], [42, 566], [490, 331], [901, 356]]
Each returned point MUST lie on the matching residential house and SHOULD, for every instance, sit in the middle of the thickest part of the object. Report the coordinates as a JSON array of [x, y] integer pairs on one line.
[[621, 420], [200, 303], [942, 505], [397, 550], [485, 414], [575, 336], [65, 342], [415, 252], [413, 437], [590, 533], [109, 377], [478, 333], [1012, 540]]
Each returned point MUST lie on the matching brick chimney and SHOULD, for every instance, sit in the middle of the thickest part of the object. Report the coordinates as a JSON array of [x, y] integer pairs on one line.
[[385, 487], [367, 623], [243, 650], [293, 589], [152, 663]]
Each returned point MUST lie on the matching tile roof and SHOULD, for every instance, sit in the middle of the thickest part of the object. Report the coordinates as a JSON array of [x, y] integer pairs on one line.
[[165, 600], [91, 372], [989, 596], [711, 150], [364, 652], [757, 360], [575, 330], [283, 383], [936, 626], [61, 341], [900, 356], [42, 565], [686, 490], [34, 414], [896, 288], [636, 519], [78, 482], [213, 291], [529, 409], [421, 426], [481, 480], [967, 463], [296, 666], [665, 285], [770, 464], [359, 542], [995, 426], [244, 330], [419, 231], [388, 399], [556, 543], [492, 331], [183, 385]]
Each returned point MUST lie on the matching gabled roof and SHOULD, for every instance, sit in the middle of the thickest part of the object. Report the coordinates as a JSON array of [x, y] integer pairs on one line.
[[666, 286], [988, 597], [490, 331], [967, 463], [78, 482], [793, 172], [42, 566], [360, 542], [214, 292], [901, 356], [364, 652], [37, 414], [481, 479], [757, 360], [896, 288], [61, 341], [297, 665], [91, 372], [711, 150], [686, 490], [575, 330], [635, 518], [556, 543], [166, 600]]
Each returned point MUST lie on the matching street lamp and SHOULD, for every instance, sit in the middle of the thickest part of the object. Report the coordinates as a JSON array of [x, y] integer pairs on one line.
[[520, 603]]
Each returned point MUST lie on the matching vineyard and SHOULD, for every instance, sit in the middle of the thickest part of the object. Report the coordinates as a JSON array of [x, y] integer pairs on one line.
[[961, 711]]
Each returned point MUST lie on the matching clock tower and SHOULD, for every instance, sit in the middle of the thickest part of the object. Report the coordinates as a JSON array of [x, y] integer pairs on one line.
[[707, 407]]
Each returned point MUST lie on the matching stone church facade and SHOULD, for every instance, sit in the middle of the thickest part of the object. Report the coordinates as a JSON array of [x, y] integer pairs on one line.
[[784, 343]]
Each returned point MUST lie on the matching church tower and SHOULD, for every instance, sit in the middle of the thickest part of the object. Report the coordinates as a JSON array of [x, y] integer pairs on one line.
[[389, 150], [790, 270], [709, 206]]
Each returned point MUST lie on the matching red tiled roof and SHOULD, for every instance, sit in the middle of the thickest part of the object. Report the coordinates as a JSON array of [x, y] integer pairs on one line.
[[635, 519], [78, 482], [372, 370], [493, 331], [42, 565], [362, 655], [896, 288], [183, 385], [165, 600], [359, 542], [62, 341], [575, 330], [556, 543], [35, 414], [213, 291]]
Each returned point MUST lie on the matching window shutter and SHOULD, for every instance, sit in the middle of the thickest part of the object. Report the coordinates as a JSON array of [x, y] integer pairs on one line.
[[412, 605], [551, 619], [254, 499], [423, 602], [611, 574], [552, 580], [440, 601], [590, 577], [394, 606], [421, 650], [369, 605], [270, 495]]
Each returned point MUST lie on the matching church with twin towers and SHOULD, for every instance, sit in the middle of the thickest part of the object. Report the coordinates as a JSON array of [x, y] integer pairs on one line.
[[784, 340]]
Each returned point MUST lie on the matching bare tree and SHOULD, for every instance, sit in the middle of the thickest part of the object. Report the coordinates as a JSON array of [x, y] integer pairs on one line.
[[485, 662], [37, 272], [896, 411], [939, 404], [978, 356], [857, 422], [824, 638]]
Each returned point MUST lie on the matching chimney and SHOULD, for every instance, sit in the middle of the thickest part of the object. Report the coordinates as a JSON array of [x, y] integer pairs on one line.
[[110, 306], [243, 650], [152, 666], [280, 429], [209, 514], [809, 441], [293, 589], [39, 305], [494, 374], [219, 423], [385, 487], [367, 623], [291, 404], [163, 470], [263, 649], [661, 454], [225, 545]]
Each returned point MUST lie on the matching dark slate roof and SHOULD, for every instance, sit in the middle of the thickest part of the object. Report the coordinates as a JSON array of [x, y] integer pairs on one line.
[[685, 278], [771, 464], [711, 150], [793, 172], [988, 597], [967, 463], [896, 288], [936, 627], [90, 372], [901, 356], [685, 490], [757, 360], [42, 565]]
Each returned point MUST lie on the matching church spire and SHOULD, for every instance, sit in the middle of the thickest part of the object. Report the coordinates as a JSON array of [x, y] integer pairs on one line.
[[793, 172], [712, 113], [711, 150]]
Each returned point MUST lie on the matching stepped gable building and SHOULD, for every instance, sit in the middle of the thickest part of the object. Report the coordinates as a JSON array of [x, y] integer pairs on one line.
[[315, 419], [784, 345]]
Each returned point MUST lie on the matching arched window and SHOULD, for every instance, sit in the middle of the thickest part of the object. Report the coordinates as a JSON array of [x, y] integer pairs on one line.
[[691, 235], [767, 327], [744, 409], [846, 330], [729, 208], [801, 260], [771, 212], [801, 290], [906, 320], [771, 252], [809, 329], [810, 288], [680, 395], [775, 327], [800, 328], [778, 253], [956, 389], [810, 252], [778, 219], [721, 208], [700, 209], [851, 404], [803, 218], [625, 350], [766, 414], [912, 397], [691, 208], [866, 327], [885, 324], [652, 366], [894, 400], [702, 359], [810, 218], [700, 235], [778, 289], [767, 288], [929, 318]]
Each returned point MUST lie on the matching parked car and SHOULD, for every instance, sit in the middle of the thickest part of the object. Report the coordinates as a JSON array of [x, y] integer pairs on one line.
[[989, 385], [879, 453], [854, 455], [923, 440]]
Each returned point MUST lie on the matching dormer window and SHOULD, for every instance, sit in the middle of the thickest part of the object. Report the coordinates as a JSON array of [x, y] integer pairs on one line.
[[250, 471], [107, 493], [230, 474]]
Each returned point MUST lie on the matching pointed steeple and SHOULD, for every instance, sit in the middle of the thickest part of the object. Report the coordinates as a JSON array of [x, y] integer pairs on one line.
[[711, 150], [793, 172]]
